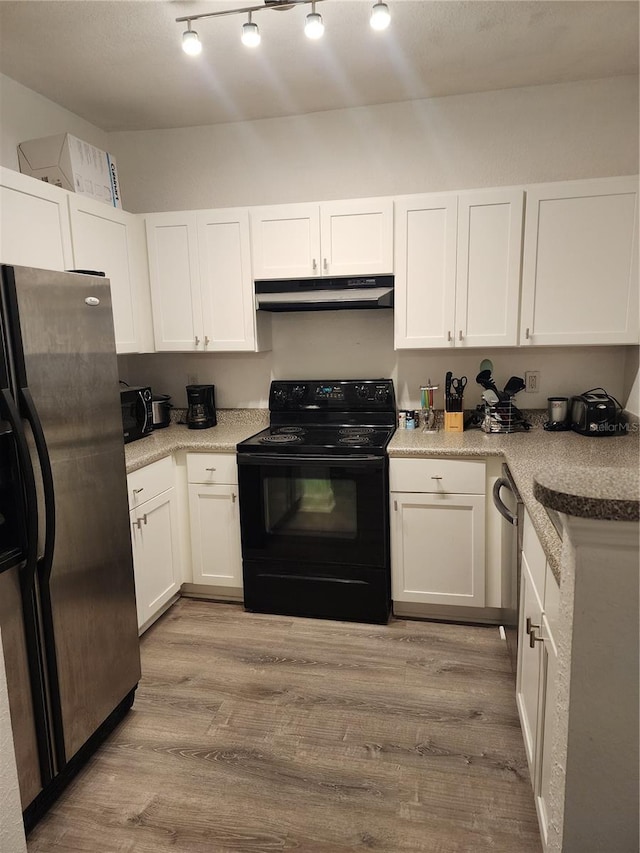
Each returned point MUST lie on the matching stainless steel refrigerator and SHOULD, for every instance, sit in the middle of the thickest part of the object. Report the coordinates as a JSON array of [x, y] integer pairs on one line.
[[67, 601]]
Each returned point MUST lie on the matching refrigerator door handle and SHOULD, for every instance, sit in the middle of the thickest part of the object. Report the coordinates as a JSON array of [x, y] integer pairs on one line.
[[32, 417], [9, 412]]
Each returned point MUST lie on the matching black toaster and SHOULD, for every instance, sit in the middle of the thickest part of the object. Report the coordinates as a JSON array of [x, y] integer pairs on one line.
[[596, 413]]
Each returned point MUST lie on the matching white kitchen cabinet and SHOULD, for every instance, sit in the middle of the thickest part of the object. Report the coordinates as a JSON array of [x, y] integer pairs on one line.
[[34, 223], [201, 282], [457, 268], [580, 263], [336, 238], [536, 678], [154, 537], [438, 531], [214, 519], [113, 241]]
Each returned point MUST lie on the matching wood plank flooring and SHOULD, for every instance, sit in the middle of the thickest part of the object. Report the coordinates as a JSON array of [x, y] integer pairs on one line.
[[265, 733]]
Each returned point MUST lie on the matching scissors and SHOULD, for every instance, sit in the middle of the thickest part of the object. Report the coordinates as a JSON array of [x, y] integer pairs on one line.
[[458, 386]]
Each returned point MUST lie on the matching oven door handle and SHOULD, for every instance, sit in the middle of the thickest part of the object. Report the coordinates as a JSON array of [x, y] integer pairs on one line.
[[504, 511], [355, 461]]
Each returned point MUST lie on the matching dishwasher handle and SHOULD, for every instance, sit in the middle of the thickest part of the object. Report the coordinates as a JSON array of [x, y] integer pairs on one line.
[[504, 511]]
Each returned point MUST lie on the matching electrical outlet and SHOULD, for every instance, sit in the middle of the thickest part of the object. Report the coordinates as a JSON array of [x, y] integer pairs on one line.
[[532, 381]]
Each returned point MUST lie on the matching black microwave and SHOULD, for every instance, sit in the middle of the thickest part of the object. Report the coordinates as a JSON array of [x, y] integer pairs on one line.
[[137, 412]]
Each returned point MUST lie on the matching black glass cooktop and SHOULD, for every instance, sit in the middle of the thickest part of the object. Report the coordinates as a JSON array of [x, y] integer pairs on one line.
[[319, 439]]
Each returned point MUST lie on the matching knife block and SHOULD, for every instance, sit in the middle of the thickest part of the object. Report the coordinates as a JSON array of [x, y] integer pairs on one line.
[[454, 421]]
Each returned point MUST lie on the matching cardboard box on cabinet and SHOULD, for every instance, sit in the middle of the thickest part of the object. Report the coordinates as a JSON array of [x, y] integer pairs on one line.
[[70, 163]]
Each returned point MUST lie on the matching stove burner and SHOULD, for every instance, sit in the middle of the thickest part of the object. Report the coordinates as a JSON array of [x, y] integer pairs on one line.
[[354, 439], [355, 430], [280, 439], [289, 430]]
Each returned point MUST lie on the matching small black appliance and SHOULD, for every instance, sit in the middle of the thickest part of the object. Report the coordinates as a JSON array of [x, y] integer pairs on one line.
[[137, 413], [597, 413], [201, 411]]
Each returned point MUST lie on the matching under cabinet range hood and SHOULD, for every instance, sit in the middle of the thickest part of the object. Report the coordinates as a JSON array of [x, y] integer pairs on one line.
[[325, 294]]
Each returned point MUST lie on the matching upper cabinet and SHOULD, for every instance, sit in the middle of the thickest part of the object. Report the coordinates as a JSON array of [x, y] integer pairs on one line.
[[201, 282], [336, 238], [580, 274], [457, 269], [34, 223], [113, 241]]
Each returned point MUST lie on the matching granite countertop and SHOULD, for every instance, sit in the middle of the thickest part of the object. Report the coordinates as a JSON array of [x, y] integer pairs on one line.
[[233, 425], [574, 474]]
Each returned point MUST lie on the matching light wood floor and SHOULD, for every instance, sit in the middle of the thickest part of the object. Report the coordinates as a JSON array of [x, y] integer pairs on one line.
[[266, 733]]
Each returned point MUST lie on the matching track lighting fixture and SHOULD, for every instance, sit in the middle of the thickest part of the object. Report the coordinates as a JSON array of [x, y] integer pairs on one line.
[[380, 17], [191, 44], [313, 26], [250, 33]]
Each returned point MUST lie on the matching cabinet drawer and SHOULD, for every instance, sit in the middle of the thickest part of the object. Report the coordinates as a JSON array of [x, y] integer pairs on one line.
[[455, 476], [147, 482], [212, 468], [536, 559]]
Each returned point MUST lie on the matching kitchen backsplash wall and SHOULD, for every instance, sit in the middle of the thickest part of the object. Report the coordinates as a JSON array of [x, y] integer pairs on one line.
[[359, 344]]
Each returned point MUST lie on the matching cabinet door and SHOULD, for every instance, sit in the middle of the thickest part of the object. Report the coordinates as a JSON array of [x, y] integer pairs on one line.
[[112, 241], [34, 221], [437, 548], [215, 535], [285, 241], [488, 268], [156, 555], [175, 281], [226, 282], [356, 237], [528, 674], [546, 728], [580, 273], [425, 271]]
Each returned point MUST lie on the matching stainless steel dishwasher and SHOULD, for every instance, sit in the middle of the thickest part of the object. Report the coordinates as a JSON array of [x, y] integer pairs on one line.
[[507, 500]]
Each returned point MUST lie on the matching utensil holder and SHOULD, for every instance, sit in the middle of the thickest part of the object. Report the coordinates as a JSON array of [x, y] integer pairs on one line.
[[499, 418]]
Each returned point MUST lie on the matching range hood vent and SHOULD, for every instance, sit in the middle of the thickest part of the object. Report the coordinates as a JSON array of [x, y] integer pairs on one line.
[[325, 294]]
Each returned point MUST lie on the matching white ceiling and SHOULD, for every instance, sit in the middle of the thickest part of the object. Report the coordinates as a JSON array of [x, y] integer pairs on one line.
[[119, 64]]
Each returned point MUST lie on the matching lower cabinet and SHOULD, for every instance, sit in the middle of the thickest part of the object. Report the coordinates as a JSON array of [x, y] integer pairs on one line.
[[438, 531], [214, 519], [537, 669], [154, 538]]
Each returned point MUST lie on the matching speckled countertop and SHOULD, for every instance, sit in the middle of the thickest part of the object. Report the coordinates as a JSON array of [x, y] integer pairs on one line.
[[233, 425], [574, 474]]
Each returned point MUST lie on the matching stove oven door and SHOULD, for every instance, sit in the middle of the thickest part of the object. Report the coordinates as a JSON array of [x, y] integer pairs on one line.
[[315, 536], [329, 510]]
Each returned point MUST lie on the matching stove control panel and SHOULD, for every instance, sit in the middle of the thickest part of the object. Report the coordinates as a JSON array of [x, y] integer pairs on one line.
[[340, 394]]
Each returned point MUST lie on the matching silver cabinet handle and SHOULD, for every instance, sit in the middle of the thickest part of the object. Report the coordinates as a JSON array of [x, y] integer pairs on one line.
[[136, 523], [197, 340], [233, 497], [533, 639], [460, 335], [206, 340], [526, 333], [314, 265], [144, 518], [209, 469], [325, 264], [449, 338], [436, 478], [137, 491], [395, 506]]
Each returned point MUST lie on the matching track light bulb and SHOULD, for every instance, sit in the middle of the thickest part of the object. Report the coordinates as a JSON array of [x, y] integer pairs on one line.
[[380, 17], [191, 44], [250, 33], [314, 27]]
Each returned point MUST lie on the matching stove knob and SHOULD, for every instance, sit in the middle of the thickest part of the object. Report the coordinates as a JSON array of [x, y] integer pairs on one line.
[[382, 394], [362, 391], [279, 396], [298, 392]]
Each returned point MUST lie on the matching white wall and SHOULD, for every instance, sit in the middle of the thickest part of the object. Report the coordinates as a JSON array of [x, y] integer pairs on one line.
[[513, 136], [24, 114]]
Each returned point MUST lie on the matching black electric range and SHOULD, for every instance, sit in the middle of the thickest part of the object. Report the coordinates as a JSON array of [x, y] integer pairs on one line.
[[314, 501]]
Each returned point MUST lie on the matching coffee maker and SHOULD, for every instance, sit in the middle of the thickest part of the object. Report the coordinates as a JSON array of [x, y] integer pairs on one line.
[[201, 411]]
